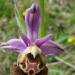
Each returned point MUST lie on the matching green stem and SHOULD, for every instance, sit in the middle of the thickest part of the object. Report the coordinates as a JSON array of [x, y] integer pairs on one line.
[[42, 30]]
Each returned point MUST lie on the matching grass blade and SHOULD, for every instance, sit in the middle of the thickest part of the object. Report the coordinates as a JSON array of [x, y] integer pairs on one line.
[[20, 21]]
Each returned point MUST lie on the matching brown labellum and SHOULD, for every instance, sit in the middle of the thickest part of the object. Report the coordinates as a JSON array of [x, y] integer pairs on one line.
[[15, 70], [30, 62]]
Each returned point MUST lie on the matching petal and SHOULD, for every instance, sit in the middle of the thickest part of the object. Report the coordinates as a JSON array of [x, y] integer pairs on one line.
[[32, 21], [51, 47], [25, 39], [16, 45], [39, 42]]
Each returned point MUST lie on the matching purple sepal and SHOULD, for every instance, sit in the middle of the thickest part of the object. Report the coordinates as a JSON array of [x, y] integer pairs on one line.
[[16, 45], [32, 21], [50, 48], [41, 41]]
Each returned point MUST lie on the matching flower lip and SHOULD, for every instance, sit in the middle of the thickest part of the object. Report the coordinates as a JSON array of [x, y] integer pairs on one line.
[[31, 59]]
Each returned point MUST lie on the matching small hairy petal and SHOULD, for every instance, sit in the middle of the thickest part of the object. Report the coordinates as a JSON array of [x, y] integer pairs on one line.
[[25, 39], [50, 48], [39, 42], [32, 21], [16, 45]]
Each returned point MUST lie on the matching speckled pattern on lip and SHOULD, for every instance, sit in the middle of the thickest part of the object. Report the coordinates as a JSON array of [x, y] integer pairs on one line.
[[15, 70]]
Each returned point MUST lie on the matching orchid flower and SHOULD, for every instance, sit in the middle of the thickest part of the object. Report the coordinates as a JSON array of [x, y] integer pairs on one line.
[[31, 43]]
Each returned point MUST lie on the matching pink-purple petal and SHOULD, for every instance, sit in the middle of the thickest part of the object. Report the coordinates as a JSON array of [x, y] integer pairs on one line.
[[41, 41], [32, 21], [50, 48], [16, 45]]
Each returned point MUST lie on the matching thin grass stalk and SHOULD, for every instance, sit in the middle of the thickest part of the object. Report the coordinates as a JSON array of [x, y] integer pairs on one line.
[[42, 27]]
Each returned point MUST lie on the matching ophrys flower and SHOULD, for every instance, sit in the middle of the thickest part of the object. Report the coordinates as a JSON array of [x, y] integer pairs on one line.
[[32, 51]]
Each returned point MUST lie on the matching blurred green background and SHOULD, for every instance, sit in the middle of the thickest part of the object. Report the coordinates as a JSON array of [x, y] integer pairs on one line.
[[60, 21]]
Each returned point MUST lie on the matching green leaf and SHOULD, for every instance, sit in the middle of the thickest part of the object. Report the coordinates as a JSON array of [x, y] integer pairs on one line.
[[20, 21]]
